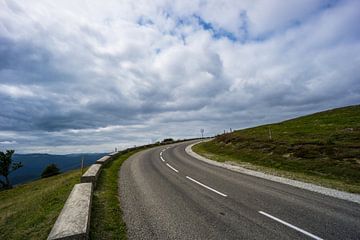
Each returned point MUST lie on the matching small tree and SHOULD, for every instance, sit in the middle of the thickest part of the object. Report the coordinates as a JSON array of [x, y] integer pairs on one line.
[[7, 167], [50, 170]]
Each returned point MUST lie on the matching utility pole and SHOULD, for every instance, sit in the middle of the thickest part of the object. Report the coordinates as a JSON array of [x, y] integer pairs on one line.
[[202, 132]]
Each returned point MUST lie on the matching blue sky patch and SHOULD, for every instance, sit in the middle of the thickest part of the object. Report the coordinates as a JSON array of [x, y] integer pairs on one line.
[[216, 32]]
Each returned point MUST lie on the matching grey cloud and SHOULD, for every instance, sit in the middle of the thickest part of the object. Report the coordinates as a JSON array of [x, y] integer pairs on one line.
[[102, 78]]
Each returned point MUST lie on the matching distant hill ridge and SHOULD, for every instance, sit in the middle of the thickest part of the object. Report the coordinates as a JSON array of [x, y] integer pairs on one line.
[[34, 164]]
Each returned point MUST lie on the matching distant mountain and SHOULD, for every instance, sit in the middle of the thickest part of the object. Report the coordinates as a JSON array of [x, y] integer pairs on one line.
[[34, 164]]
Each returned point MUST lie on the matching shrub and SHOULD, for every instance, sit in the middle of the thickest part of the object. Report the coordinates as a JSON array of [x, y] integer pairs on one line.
[[50, 170], [168, 140]]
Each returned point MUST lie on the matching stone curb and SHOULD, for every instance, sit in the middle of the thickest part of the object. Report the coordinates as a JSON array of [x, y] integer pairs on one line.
[[91, 174], [104, 159], [73, 221]]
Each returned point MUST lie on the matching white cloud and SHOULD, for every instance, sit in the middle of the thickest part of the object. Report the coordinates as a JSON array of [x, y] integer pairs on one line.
[[16, 91], [88, 75], [7, 142]]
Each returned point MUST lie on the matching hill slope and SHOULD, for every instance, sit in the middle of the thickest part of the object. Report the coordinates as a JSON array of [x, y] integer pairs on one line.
[[29, 211], [322, 148]]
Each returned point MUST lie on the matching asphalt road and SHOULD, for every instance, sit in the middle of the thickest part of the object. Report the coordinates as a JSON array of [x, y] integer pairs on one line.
[[167, 194]]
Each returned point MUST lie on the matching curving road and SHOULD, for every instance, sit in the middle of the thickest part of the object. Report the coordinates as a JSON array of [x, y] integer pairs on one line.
[[167, 194]]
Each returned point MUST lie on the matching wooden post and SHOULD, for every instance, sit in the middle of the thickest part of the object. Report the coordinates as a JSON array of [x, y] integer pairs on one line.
[[82, 165], [270, 137]]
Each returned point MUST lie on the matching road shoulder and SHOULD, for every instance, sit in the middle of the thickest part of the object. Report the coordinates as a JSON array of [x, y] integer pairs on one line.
[[307, 186]]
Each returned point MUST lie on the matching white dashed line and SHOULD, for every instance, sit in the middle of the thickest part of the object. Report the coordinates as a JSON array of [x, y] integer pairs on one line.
[[162, 159], [290, 225], [207, 187], [172, 167]]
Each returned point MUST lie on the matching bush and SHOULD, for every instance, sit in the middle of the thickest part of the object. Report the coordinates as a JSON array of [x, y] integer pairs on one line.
[[50, 170]]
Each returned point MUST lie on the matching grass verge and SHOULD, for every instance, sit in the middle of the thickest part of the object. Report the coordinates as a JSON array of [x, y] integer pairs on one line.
[[106, 215], [322, 148], [30, 210]]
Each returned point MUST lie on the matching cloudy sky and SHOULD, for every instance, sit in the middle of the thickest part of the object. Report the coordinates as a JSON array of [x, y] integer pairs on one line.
[[87, 76]]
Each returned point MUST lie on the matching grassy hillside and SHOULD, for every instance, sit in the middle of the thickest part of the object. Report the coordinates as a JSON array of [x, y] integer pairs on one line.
[[29, 211], [322, 148]]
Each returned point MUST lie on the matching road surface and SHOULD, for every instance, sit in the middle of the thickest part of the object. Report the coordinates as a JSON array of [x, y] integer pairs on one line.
[[167, 194]]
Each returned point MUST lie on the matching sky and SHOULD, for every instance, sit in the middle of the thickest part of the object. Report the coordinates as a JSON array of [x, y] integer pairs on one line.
[[89, 76]]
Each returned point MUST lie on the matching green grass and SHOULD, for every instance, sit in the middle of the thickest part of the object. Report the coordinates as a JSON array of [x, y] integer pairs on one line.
[[29, 211], [106, 219], [322, 148]]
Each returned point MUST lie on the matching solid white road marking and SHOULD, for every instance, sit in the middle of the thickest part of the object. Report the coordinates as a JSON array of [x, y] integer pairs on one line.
[[161, 153], [162, 159], [290, 225], [172, 167], [207, 187]]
